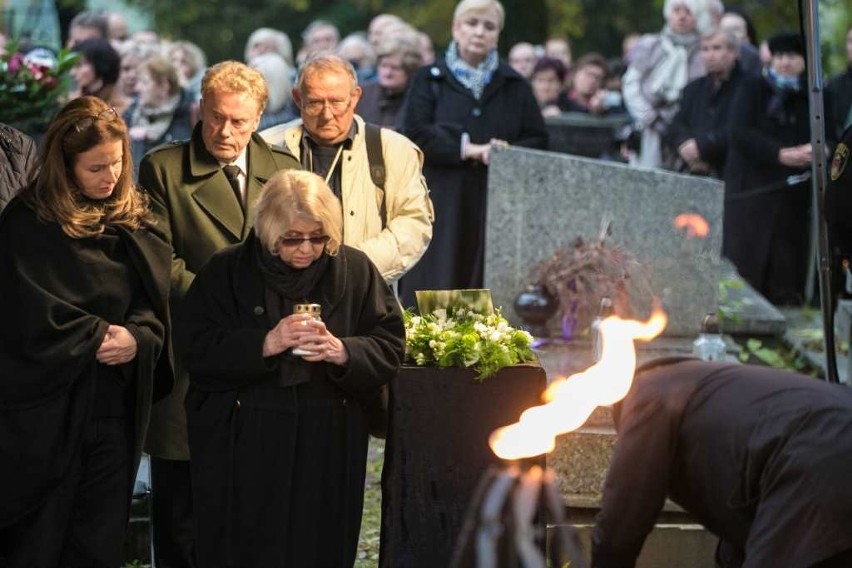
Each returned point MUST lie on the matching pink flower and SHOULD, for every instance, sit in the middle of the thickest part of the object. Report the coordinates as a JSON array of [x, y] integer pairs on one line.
[[16, 62]]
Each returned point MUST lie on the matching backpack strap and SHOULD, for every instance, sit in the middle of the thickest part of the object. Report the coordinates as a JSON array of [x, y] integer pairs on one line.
[[373, 138]]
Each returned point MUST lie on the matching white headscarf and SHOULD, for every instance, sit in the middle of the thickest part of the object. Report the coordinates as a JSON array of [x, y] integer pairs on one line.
[[701, 11]]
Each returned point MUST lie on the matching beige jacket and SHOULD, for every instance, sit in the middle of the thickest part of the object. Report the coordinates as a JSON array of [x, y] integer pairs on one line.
[[410, 214]]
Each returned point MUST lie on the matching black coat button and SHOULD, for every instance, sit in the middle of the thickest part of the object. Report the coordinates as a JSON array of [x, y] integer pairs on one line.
[[476, 111], [258, 310]]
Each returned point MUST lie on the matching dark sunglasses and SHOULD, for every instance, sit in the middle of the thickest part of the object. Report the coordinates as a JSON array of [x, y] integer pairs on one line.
[[293, 242], [84, 123]]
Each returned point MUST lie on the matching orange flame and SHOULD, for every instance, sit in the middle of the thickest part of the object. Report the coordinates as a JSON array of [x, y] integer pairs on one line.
[[569, 402], [695, 225]]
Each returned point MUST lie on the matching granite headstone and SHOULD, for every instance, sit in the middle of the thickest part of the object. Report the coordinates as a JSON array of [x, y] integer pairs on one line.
[[585, 134], [539, 201]]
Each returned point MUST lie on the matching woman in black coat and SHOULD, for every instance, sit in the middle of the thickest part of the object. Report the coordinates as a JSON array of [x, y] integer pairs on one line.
[[767, 219], [85, 318], [279, 439], [456, 111]]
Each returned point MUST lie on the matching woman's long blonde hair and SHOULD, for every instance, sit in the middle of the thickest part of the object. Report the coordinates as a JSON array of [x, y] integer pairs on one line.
[[54, 194]]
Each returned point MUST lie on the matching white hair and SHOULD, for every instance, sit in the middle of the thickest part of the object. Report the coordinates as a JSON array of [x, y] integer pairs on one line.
[[278, 75], [702, 11]]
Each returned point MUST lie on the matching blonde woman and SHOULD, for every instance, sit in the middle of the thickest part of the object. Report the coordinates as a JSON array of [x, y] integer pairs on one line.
[[456, 111], [85, 320], [277, 436]]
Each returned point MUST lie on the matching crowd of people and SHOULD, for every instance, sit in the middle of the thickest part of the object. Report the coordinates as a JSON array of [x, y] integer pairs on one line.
[[160, 242]]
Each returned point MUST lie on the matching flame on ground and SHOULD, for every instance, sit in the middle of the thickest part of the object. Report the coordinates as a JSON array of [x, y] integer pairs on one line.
[[695, 225], [569, 402]]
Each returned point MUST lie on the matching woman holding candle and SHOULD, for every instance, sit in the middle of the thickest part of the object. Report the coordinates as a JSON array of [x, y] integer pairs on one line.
[[279, 440]]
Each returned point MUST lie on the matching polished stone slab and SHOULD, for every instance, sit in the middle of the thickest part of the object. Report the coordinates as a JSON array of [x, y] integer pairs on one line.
[[539, 201]]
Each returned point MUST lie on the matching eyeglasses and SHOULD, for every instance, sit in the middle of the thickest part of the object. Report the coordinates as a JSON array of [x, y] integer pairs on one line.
[[316, 108], [107, 115], [294, 242]]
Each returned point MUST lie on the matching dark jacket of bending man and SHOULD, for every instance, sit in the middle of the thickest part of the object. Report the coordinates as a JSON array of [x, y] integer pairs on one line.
[[761, 457]]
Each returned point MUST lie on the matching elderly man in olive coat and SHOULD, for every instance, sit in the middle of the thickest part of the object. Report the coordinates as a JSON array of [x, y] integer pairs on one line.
[[203, 193]]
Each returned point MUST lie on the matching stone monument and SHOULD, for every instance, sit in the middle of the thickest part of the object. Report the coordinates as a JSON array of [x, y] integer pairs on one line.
[[539, 201]]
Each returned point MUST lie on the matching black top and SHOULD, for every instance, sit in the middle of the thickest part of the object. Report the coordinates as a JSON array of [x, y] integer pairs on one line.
[[59, 296]]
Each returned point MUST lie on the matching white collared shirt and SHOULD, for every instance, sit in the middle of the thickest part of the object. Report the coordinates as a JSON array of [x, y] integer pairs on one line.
[[241, 162]]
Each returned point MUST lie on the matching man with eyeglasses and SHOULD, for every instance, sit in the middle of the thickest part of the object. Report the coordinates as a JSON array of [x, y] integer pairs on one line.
[[203, 193], [391, 224]]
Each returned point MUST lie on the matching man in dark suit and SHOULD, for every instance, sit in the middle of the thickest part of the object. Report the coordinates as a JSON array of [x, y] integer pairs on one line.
[[699, 131], [203, 193], [761, 457]]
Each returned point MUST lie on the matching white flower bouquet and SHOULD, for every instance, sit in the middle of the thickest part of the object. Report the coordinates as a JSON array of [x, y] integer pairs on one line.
[[464, 338]]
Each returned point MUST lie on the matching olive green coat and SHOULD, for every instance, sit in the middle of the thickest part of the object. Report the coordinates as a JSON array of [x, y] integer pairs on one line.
[[199, 214]]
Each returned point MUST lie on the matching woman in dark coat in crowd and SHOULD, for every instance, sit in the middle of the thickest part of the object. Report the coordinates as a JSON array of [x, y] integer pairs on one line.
[[84, 312], [279, 440], [162, 111], [397, 60], [96, 72], [457, 111], [767, 232]]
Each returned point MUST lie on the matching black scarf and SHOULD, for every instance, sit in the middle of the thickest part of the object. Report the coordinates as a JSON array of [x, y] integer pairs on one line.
[[292, 284], [285, 287], [781, 93]]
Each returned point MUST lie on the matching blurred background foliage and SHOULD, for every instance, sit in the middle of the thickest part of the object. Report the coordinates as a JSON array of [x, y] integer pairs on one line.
[[221, 27]]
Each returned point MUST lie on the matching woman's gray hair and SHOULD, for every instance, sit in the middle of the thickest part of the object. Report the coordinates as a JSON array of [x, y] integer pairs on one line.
[[292, 194], [701, 10], [278, 78], [279, 41], [194, 55], [466, 6], [407, 47]]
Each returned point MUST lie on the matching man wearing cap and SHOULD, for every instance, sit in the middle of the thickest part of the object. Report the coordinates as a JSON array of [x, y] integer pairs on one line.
[[203, 193]]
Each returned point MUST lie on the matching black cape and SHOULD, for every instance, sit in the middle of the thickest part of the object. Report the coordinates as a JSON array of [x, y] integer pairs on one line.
[[48, 342]]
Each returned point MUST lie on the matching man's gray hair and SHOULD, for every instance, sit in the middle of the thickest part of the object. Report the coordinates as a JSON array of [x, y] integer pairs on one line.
[[325, 63]]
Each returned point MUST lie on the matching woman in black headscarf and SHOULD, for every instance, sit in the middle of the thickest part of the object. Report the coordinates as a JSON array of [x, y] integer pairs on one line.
[[767, 204]]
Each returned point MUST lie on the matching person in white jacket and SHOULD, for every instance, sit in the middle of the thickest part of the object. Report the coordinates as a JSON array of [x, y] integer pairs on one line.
[[391, 224], [660, 66]]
